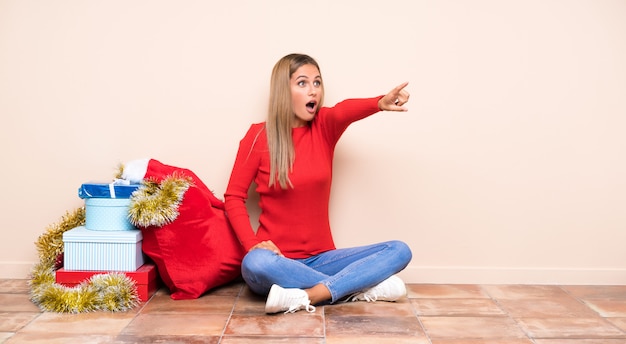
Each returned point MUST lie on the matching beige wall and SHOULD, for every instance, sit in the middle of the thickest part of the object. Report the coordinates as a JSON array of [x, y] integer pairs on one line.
[[508, 168]]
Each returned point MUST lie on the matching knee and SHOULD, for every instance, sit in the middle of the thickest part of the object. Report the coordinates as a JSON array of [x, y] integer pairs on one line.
[[255, 270], [402, 251], [257, 261]]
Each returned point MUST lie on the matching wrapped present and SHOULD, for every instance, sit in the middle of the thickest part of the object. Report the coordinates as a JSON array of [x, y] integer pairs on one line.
[[146, 279], [106, 205], [107, 214], [102, 250], [116, 189]]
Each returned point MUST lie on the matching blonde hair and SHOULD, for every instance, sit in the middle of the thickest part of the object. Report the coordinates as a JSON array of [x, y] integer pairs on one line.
[[280, 118]]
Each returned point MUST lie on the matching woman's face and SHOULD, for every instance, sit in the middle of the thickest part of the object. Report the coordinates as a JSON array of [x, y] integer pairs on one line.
[[306, 92]]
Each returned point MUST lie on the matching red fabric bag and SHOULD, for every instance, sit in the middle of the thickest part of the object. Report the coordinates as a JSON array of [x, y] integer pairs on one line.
[[198, 250]]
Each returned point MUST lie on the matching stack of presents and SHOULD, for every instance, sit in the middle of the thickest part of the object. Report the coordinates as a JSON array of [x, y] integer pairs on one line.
[[107, 242]]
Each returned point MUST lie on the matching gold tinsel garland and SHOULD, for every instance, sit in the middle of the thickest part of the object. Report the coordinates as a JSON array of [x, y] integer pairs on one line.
[[156, 204], [112, 292]]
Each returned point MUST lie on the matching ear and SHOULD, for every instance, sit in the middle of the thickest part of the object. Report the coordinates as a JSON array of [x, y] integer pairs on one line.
[[135, 170]]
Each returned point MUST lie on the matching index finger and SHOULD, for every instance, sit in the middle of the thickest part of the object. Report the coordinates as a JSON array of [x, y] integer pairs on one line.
[[400, 87]]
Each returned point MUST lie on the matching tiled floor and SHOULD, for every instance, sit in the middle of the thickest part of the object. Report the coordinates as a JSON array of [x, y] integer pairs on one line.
[[430, 314]]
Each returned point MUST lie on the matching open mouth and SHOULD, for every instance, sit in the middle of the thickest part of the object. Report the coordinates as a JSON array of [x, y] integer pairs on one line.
[[310, 106]]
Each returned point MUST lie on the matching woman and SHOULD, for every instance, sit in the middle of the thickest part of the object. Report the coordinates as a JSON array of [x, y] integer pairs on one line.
[[292, 257]]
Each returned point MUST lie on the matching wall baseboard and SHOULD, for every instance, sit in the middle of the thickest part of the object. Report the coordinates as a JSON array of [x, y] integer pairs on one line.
[[451, 275]]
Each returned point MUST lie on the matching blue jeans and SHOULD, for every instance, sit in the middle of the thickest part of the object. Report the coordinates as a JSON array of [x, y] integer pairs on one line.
[[343, 271]]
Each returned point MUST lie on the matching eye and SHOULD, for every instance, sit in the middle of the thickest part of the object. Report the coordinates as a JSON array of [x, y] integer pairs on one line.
[[317, 83], [301, 83]]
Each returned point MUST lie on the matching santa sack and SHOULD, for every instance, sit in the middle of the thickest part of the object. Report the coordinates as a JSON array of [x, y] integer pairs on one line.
[[184, 227]]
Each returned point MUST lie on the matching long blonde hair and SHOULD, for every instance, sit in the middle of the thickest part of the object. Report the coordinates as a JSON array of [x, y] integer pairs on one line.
[[280, 118]]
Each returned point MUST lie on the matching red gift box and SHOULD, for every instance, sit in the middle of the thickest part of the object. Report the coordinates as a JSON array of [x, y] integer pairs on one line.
[[146, 279]]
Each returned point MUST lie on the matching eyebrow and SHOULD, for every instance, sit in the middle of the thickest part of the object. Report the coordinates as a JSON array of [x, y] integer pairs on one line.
[[306, 77]]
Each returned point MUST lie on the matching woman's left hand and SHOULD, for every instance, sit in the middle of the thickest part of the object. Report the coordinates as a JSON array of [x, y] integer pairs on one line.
[[395, 99]]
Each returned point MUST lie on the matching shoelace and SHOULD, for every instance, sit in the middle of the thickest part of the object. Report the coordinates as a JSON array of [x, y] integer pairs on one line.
[[370, 298], [367, 296], [307, 306]]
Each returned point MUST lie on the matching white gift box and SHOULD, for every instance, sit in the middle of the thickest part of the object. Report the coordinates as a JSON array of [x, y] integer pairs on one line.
[[107, 214], [90, 250]]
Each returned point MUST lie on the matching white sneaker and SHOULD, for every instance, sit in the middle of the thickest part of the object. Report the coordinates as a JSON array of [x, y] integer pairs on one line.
[[287, 300], [390, 289]]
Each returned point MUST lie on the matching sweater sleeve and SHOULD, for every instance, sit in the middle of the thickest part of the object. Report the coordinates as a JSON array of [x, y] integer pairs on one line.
[[242, 175], [336, 119]]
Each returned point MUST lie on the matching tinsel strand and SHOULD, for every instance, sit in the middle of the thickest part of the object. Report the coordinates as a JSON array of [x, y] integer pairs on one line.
[[106, 292], [156, 204]]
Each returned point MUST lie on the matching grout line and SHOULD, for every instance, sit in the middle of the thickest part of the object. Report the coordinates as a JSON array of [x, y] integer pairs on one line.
[[582, 301], [506, 312], [324, 322], [419, 320], [230, 315], [139, 311]]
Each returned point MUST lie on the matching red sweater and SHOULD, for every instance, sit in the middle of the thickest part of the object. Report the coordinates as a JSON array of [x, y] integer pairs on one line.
[[295, 219]]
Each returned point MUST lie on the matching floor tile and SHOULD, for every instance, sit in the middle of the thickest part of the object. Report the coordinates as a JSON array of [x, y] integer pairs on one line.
[[438, 291], [390, 326], [579, 341], [377, 339], [166, 339], [162, 291], [618, 322], [500, 328], [17, 303], [14, 321], [59, 338], [561, 307], [247, 293], [524, 291], [272, 340], [231, 289], [457, 307], [483, 341], [592, 328], [249, 303], [300, 324], [608, 308], [430, 314], [5, 335], [14, 286], [597, 291], [179, 325], [403, 308], [84, 323], [207, 304]]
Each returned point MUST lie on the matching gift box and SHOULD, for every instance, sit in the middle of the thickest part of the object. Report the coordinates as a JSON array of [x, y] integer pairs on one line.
[[89, 250], [107, 214], [146, 279], [106, 190]]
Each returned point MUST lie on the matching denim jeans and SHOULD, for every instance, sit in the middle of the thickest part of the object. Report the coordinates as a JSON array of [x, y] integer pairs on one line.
[[343, 271]]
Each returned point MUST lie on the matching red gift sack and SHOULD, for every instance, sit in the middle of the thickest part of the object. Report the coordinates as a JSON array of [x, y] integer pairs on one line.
[[185, 231]]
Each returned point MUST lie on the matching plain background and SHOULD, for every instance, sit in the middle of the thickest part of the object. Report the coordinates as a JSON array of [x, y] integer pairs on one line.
[[508, 168]]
